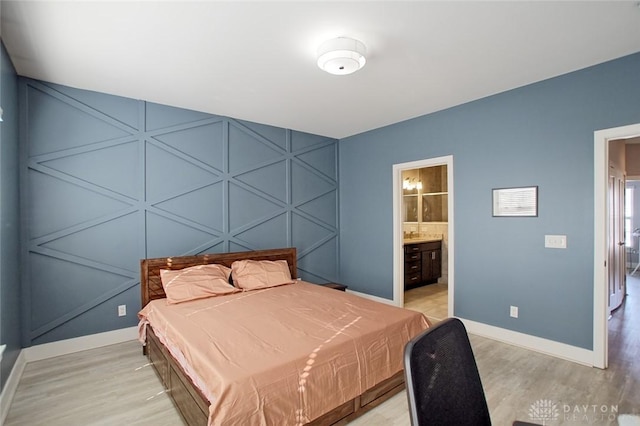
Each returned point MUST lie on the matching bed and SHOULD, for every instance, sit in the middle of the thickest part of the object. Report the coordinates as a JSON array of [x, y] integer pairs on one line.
[[293, 354]]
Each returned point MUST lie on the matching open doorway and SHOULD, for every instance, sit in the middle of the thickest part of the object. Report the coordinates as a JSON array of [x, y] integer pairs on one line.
[[617, 252], [602, 237], [423, 236]]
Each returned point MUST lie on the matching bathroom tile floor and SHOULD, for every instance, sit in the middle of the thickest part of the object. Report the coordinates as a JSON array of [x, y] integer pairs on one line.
[[429, 299]]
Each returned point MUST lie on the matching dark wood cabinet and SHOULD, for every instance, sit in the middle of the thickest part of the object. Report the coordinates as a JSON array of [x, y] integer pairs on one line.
[[422, 263], [431, 265]]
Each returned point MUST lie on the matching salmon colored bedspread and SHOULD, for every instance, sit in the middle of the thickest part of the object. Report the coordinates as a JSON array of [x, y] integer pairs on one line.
[[283, 355]]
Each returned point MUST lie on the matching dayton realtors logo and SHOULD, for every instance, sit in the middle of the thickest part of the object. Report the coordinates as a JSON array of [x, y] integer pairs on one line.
[[546, 410], [590, 413]]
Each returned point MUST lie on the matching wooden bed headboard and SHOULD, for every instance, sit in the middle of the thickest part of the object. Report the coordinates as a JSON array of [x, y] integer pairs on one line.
[[151, 285]]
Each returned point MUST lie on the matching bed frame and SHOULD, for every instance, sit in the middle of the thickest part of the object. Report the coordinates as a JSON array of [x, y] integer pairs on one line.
[[187, 398]]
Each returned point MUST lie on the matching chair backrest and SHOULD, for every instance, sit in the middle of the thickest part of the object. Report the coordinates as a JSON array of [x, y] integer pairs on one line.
[[443, 384]]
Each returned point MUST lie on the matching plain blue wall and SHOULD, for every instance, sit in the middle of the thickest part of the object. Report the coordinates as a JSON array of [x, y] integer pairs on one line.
[[9, 217], [111, 180], [541, 134]]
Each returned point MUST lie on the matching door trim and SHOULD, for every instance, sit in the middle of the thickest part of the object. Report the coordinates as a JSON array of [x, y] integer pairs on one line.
[[398, 250], [601, 140]]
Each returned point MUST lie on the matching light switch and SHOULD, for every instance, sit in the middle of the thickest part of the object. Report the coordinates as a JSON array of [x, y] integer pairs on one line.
[[555, 241]]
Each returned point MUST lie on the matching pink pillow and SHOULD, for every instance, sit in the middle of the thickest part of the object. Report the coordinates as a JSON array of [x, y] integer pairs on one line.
[[196, 282], [254, 274]]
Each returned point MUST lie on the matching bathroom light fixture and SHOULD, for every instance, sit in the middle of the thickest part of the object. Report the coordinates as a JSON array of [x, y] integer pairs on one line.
[[342, 55], [411, 184]]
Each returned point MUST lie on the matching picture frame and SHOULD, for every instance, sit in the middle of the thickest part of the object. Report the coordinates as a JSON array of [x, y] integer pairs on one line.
[[515, 202]]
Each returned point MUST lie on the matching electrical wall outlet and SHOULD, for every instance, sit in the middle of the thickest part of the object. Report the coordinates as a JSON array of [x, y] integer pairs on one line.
[[513, 312], [122, 310]]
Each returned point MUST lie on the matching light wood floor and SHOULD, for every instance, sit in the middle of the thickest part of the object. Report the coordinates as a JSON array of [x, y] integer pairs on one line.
[[112, 385], [105, 386]]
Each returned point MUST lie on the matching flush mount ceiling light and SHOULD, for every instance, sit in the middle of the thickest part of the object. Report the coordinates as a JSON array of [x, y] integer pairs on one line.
[[341, 55]]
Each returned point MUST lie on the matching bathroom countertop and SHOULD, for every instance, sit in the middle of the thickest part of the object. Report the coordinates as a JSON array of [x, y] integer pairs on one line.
[[419, 240]]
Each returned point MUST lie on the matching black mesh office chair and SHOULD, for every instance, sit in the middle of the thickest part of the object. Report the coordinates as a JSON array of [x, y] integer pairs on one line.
[[443, 384]]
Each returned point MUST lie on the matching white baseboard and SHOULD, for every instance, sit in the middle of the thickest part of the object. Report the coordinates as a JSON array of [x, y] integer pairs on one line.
[[11, 386], [371, 297], [533, 343], [82, 343]]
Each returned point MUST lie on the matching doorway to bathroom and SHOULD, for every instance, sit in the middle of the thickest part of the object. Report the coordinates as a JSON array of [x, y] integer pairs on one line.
[[423, 236]]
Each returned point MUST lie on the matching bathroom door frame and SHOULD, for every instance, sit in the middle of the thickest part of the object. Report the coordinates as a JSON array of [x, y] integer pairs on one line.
[[398, 249]]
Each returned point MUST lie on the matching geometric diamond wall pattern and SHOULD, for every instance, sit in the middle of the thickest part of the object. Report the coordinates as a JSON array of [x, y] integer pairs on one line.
[[111, 180]]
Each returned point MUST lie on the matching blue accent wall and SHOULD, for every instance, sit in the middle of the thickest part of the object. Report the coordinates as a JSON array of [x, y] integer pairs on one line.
[[110, 180], [541, 134], [9, 218]]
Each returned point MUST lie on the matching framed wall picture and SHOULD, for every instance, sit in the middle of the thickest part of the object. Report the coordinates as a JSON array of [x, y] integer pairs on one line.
[[522, 201]]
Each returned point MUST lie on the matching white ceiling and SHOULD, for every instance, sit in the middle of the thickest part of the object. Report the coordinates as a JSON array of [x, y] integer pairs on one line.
[[257, 60]]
